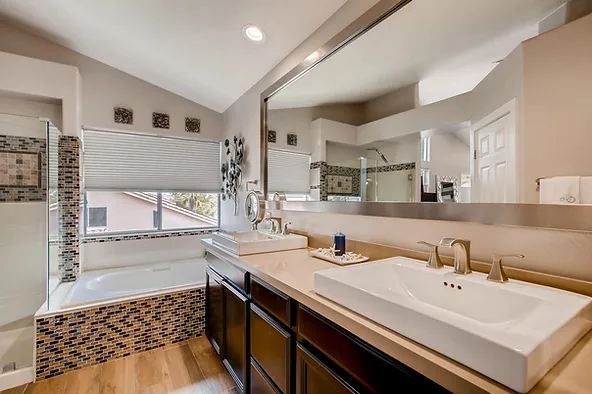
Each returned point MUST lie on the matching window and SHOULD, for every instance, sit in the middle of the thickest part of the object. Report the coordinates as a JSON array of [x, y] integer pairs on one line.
[[133, 212], [425, 177], [146, 183], [97, 217], [426, 148], [288, 172]]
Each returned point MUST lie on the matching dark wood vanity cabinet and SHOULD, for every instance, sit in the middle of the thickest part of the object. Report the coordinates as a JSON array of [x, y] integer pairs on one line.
[[270, 344]]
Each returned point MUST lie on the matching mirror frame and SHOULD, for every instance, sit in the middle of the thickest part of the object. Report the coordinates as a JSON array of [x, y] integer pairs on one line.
[[564, 217]]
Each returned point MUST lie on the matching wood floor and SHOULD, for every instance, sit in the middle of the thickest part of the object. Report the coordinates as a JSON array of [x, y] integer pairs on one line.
[[184, 368]]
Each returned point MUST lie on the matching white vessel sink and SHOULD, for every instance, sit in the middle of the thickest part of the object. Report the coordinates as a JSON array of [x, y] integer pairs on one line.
[[512, 332], [253, 242]]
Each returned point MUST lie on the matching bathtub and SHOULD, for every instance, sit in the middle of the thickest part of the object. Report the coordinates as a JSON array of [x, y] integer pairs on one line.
[[126, 283]]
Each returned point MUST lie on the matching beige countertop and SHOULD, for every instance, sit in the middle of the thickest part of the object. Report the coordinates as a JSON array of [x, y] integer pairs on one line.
[[293, 273]]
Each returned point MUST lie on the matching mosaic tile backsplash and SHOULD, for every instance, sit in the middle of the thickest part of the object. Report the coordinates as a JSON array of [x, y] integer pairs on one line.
[[133, 237], [23, 169], [69, 207], [73, 340]]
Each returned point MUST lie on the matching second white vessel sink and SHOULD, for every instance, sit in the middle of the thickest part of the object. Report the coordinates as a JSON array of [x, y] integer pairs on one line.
[[253, 242], [512, 332]]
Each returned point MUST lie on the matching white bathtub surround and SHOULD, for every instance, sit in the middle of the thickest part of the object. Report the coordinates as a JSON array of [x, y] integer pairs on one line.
[[104, 255], [126, 283]]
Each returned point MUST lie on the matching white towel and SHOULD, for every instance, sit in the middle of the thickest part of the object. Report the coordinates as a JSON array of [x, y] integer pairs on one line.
[[564, 190], [586, 190]]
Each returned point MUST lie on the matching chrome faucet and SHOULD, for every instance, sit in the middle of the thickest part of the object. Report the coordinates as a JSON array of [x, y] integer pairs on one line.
[[462, 254]]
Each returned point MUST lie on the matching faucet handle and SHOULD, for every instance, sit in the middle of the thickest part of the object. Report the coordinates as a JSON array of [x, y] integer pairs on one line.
[[497, 274], [434, 259], [285, 230]]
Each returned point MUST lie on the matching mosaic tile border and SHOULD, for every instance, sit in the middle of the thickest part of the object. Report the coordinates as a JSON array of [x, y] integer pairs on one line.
[[25, 145], [391, 168], [69, 207], [133, 237], [73, 340]]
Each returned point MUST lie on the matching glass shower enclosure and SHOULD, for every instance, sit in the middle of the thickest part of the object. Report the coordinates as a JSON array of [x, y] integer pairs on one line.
[[28, 195]]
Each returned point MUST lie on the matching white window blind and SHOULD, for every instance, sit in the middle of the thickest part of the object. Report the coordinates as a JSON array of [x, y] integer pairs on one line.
[[53, 153], [288, 172], [138, 162]]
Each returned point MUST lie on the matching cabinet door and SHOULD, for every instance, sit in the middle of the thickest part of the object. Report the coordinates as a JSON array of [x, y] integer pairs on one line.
[[214, 311], [314, 377], [236, 312]]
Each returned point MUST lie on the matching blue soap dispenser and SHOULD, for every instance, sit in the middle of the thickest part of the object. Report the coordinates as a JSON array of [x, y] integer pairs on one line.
[[339, 241]]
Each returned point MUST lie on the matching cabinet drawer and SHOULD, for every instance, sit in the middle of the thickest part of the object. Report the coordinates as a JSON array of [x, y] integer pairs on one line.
[[372, 368], [271, 346], [260, 384], [272, 300], [231, 273]]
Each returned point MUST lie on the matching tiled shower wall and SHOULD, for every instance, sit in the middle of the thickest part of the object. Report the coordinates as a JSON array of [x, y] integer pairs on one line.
[[69, 341], [355, 173], [69, 207], [10, 148]]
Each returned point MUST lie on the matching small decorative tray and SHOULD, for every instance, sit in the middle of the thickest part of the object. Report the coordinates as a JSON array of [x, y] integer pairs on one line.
[[346, 259]]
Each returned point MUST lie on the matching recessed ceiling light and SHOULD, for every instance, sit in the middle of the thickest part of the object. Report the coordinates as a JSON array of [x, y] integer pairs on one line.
[[254, 33]]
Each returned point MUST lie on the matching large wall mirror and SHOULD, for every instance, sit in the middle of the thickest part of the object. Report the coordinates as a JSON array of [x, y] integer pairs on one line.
[[429, 105]]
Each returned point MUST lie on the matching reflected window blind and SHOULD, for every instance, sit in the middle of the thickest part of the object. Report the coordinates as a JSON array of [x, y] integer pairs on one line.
[[53, 154], [138, 162], [288, 172]]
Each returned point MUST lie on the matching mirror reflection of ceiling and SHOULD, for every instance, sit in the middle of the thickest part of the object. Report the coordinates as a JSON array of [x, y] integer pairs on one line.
[[429, 46]]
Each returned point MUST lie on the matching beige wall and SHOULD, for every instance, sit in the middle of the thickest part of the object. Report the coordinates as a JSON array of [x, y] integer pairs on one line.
[[24, 75], [557, 133], [9, 105], [298, 121], [103, 87], [561, 252], [401, 100]]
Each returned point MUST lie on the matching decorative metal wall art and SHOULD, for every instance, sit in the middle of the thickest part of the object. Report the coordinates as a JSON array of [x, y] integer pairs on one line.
[[160, 121], [192, 125], [232, 173], [123, 115]]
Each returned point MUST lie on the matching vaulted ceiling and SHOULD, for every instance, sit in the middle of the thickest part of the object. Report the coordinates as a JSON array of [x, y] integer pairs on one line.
[[448, 46], [194, 48]]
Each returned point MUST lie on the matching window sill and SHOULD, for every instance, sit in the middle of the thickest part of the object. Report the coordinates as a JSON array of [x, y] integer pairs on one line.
[[116, 237]]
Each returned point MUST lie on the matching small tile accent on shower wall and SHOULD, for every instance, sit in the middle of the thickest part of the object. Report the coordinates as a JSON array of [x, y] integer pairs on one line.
[[23, 169], [118, 238], [69, 207], [73, 340]]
